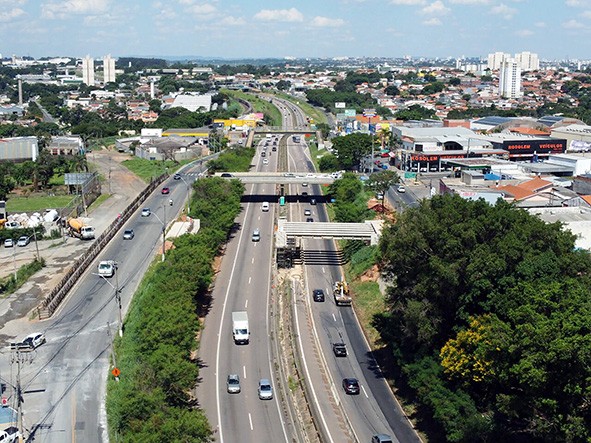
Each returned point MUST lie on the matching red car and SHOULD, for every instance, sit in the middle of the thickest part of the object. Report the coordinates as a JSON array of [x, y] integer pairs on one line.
[[165, 191]]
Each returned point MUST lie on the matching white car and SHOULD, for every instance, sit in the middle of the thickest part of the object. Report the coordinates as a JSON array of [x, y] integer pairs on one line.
[[35, 340], [8, 243], [265, 389], [146, 212], [401, 189], [106, 268], [307, 212], [265, 161], [23, 241]]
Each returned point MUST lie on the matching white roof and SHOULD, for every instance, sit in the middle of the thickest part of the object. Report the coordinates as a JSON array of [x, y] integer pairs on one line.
[[192, 102]]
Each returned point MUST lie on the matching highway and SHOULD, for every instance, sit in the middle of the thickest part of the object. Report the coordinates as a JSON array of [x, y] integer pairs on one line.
[[243, 284], [63, 380]]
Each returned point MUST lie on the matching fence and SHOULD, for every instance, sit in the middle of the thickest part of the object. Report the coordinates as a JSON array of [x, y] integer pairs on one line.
[[52, 301]]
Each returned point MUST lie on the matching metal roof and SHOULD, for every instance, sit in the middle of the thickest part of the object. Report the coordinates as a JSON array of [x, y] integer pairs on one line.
[[493, 120]]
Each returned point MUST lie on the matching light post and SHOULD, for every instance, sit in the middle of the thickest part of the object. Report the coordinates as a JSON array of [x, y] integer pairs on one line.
[[163, 231], [36, 244], [189, 194], [117, 298]]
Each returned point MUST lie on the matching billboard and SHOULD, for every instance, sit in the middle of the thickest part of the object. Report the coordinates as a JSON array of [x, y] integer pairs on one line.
[[540, 147], [350, 112], [340, 105]]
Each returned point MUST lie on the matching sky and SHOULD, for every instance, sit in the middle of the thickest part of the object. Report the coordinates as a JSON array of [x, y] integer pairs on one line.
[[554, 29]]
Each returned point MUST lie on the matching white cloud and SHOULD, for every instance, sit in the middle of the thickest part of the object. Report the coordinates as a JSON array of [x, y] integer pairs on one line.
[[7, 16], [435, 8], [432, 22], [470, 2], [408, 2], [325, 22], [6, 3], [524, 32], [503, 10], [540, 24], [232, 21], [279, 15], [585, 14], [578, 3], [64, 8], [573, 24]]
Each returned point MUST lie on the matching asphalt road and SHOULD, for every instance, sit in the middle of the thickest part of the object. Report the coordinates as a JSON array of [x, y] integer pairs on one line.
[[63, 383], [243, 284]]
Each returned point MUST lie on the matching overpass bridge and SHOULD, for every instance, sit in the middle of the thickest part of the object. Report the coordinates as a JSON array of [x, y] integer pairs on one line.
[[289, 235], [280, 178]]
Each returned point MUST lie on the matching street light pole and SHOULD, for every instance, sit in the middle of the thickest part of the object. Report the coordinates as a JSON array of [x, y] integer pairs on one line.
[[189, 194], [117, 299]]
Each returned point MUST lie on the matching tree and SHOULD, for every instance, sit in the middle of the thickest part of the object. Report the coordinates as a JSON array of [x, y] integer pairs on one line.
[[392, 91], [155, 105], [380, 182], [352, 148], [283, 85], [454, 81]]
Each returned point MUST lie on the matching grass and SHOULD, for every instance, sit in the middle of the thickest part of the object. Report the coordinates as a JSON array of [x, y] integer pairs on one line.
[[37, 203], [368, 301], [148, 169], [8, 284], [258, 105], [99, 201], [100, 142]]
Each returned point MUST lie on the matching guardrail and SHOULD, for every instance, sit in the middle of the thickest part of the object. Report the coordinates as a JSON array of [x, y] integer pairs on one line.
[[52, 301]]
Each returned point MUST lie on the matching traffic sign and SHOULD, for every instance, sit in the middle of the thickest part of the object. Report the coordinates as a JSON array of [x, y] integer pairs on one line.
[[116, 372], [4, 401]]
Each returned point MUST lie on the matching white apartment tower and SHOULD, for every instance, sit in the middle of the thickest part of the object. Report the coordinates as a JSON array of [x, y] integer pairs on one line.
[[495, 60], [510, 79], [88, 71], [528, 61], [109, 69]]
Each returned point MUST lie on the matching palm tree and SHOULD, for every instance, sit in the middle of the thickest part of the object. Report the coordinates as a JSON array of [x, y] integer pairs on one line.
[[385, 135]]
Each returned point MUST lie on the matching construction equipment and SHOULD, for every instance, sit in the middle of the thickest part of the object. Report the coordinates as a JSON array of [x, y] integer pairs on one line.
[[341, 294]]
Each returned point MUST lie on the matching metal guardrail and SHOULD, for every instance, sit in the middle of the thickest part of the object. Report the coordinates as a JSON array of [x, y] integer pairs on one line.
[[52, 301]]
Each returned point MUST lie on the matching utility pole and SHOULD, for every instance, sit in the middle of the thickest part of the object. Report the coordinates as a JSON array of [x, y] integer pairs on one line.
[[20, 356], [164, 233]]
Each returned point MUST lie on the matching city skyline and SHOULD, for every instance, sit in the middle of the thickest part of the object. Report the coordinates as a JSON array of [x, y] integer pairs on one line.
[[259, 29]]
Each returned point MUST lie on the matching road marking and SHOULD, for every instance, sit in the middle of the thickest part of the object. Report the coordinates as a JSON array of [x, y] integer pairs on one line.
[[250, 420], [246, 304], [364, 393], [252, 261], [249, 279], [334, 317], [244, 372], [74, 419], [323, 270]]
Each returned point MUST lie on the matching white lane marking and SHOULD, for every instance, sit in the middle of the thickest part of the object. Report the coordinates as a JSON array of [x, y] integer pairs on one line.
[[252, 261], [246, 304], [323, 270], [244, 372], [249, 279], [250, 420], [334, 317], [364, 393]]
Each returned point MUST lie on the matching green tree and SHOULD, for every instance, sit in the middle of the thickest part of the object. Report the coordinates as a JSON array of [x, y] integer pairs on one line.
[[352, 148], [380, 182], [392, 91]]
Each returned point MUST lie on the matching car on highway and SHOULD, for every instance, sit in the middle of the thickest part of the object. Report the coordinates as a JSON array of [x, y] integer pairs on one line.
[[225, 174], [305, 185], [146, 212], [381, 438], [313, 201], [318, 295], [8, 243], [309, 220], [339, 349], [265, 207], [165, 190], [256, 235], [31, 341], [351, 386], [106, 268], [10, 435], [265, 161], [23, 241], [176, 176], [274, 148], [265, 389], [401, 189], [128, 234], [307, 212], [233, 384]]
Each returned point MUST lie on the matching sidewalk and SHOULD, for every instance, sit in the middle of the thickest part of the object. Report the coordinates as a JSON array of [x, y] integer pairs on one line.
[[59, 254]]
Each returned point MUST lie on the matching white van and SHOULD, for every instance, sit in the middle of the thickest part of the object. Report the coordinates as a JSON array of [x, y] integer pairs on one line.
[[265, 207]]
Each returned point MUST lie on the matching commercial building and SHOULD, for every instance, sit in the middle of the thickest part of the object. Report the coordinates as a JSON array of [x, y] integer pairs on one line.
[[192, 102], [108, 69], [88, 70], [16, 149]]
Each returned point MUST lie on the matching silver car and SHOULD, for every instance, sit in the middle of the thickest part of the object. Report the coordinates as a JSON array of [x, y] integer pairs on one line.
[[265, 389], [233, 384]]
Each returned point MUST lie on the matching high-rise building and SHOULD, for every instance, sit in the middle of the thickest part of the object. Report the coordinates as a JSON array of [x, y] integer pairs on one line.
[[510, 79], [495, 60], [109, 69], [88, 71], [528, 61]]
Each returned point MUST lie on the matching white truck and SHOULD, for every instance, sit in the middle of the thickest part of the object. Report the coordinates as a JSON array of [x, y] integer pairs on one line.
[[240, 330]]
